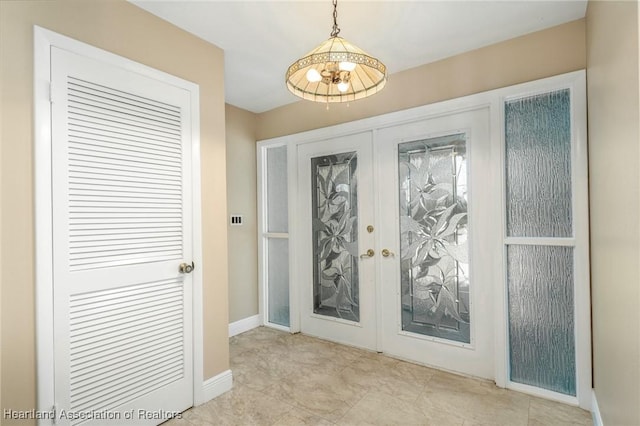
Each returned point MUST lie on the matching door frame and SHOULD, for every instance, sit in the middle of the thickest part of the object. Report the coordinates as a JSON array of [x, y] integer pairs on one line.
[[44, 40], [494, 99]]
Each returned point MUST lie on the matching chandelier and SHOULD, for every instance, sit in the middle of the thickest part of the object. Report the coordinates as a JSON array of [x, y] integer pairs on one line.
[[336, 71]]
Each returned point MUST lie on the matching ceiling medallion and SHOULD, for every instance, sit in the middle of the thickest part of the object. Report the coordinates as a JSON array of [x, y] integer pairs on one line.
[[336, 71]]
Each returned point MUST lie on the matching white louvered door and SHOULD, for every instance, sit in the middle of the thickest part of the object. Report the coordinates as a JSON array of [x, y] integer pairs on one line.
[[122, 226]]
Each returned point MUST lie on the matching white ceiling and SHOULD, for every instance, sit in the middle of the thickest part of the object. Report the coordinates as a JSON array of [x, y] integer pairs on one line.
[[261, 39]]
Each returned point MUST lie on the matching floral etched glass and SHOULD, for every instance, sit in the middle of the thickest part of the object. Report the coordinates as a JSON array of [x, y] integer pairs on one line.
[[335, 236], [434, 249]]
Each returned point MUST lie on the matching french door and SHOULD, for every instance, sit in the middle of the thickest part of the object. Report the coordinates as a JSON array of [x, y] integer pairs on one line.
[[438, 204], [336, 214], [396, 241]]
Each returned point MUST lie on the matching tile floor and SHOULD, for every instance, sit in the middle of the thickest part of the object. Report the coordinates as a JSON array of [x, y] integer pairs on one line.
[[284, 379]]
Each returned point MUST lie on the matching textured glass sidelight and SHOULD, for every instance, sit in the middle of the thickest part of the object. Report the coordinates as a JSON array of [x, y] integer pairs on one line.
[[277, 248], [541, 317], [277, 196], [434, 268], [335, 236], [538, 161], [278, 280]]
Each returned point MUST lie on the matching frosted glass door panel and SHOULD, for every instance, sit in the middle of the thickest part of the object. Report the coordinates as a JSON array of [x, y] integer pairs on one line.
[[541, 317], [434, 251], [278, 280], [275, 230], [538, 163], [335, 236], [277, 196]]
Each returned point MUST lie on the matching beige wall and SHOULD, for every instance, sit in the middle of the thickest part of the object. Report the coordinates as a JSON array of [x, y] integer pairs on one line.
[[537, 55], [124, 29], [241, 199], [614, 167]]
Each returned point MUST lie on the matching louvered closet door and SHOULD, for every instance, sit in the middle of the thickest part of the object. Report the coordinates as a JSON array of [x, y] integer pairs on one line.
[[122, 226]]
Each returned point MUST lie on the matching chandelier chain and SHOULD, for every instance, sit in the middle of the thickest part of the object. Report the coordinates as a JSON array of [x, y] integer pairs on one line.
[[336, 30]]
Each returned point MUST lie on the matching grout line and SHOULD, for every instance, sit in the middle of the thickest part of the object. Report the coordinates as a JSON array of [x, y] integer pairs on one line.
[[291, 408], [366, 392]]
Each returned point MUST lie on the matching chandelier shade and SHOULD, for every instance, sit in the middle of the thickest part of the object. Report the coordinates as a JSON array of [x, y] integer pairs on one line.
[[336, 71]]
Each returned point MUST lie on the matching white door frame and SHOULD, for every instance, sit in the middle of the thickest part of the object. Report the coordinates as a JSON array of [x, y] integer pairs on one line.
[[495, 100], [43, 41]]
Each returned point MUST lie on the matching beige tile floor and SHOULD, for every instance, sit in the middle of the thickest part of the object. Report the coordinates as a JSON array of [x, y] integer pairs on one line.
[[284, 379]]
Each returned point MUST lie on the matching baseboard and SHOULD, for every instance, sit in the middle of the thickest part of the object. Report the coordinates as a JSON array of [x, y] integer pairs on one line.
[[244, 324], [595, 410], [216, 386]]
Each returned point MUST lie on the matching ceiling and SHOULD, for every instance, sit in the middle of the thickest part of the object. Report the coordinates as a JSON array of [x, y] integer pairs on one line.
[[261, 39]]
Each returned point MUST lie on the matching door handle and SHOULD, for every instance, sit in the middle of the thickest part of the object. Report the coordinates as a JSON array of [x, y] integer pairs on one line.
[[387, 253], [369, 253], [185, 268]]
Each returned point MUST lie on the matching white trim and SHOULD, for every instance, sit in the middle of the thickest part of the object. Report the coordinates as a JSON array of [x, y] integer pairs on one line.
[[244, 324], [292, 189], [503, 354], [261, 160], [543, 393], [582, 275], [196, 201], [216, 386], [45, 398], [44, 40], [540, 241], [595, 410], [500, 317], [282, 235], [278, 327]]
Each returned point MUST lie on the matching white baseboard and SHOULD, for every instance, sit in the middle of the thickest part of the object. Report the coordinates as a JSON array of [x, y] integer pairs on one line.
[[244, 324], [595, 410], [216, 386]]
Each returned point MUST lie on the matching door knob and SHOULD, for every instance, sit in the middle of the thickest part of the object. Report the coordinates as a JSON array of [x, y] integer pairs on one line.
[[387, 253], [369, 253], [185, 268]]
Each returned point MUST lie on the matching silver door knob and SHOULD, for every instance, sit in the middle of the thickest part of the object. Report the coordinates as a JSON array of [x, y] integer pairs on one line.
[[185, 268]]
